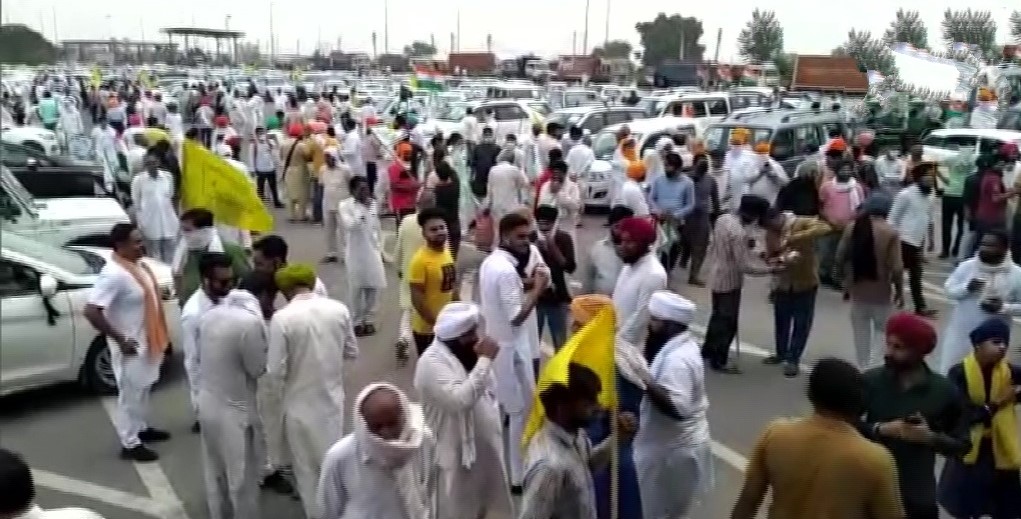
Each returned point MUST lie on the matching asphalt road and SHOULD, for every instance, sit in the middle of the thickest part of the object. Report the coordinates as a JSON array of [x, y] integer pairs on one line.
[[68, 438]]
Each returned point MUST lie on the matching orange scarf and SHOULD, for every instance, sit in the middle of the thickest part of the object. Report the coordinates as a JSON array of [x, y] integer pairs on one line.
[[156, 337]]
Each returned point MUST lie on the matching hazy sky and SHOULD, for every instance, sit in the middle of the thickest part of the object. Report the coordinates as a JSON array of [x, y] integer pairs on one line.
[[542, 26]]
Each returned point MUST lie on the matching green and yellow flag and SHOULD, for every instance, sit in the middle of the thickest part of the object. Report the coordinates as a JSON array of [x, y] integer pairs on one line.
[[210, 182]]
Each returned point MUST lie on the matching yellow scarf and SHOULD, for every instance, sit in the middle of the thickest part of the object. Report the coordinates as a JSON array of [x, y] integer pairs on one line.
[[1006, 438]]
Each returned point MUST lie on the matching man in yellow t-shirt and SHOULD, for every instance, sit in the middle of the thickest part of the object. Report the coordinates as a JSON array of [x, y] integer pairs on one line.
[[432, 276]]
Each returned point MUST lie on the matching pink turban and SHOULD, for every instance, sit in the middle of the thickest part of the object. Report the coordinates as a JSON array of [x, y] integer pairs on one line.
[[638, 229]]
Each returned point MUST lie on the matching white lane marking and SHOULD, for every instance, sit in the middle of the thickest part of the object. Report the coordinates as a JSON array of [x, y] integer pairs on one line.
[[110, 496], [153, 477], [729, 456]]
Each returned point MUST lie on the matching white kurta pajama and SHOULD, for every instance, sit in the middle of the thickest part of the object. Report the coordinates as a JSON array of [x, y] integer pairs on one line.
[[409, 240], [673, 457], [363, 258], [365, 476], [501, 295], [310, 339], [1003, 282], [104, 143], [635, 286], [233, 342], [123, 302], [191, 317], [462, 412], [154, 212], [504, 190], [335, 182]]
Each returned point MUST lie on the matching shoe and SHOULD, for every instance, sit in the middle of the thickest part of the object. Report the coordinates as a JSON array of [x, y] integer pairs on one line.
[[726, 370], [790, 370], [278, 206], [330, 259], [195, 427], [696, 282], [402, 350], [771, 360], [370, 329], [943, 255], [139, 453], [151, 435], [517, 490], [277, 483]]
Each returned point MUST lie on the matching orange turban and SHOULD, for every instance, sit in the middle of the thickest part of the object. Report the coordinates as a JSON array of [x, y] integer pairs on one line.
[[403, 150], [762, 148], [636, 170], [739, 136], [838, 144], [585, 308]]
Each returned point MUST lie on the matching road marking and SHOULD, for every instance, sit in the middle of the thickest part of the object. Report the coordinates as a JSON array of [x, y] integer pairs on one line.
[[110, 496], [153, 477]]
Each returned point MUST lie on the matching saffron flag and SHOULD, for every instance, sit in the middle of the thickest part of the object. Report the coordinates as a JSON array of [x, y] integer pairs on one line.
[[210, 182], [426, 79], [592, 347]]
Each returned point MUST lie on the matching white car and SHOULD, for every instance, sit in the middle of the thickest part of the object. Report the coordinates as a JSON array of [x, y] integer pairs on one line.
[[646, 132], [46, 338], [39, 139], [943, 145]]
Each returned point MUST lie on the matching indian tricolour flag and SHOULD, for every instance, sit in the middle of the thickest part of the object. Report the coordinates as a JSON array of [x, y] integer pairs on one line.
[[426, 79]]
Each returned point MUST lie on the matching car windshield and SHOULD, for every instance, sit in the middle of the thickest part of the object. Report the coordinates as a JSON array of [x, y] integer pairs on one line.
[[651, 106], [61, 185], [565, 120], [717, 138], [454, 112], [77, 262], [605, 144]]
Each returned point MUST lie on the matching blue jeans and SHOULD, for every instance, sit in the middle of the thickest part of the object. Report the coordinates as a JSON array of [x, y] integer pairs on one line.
[[793, 313], [317, 202], [554, 315]]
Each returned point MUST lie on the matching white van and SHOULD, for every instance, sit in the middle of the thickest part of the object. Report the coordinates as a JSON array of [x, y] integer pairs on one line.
[[58, 221]]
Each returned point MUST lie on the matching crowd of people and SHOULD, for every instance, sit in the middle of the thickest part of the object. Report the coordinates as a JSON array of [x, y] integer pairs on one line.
[[267, 383]]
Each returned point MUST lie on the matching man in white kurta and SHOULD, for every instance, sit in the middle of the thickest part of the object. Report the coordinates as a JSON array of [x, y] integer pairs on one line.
[[309, 341], [642, 275], [152, 192], [507, 308], [455, 382], [506, 186], [104, 143], [363, 256], [387, 466], [672, 450], [233, 343]]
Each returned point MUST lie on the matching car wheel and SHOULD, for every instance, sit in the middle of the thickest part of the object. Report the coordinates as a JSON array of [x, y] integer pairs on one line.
[[97, 372], [34, 146]]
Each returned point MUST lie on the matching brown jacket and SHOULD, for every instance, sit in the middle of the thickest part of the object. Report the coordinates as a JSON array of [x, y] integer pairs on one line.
[[803, 273], [889, 266]]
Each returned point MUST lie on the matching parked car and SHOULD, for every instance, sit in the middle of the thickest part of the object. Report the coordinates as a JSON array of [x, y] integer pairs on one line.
[[46, 338], [39, 139], [593, 118], [17, 156]]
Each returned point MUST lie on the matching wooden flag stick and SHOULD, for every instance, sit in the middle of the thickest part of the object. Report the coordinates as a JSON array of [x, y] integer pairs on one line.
[[614, 461]]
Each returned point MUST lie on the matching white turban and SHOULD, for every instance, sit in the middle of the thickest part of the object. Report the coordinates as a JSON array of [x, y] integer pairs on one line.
[[669, 306], [455, 320]]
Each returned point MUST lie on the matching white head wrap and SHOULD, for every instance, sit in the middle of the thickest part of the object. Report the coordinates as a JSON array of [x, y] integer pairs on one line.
[[395, 454], [456, 319], [669, 306]]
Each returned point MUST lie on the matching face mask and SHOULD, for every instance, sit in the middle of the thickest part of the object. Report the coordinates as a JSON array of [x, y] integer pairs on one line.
[[199, 239], [990, 258]]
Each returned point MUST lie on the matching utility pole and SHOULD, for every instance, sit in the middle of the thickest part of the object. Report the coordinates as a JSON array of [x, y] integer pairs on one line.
[[56, 40], [584, 38], [458, 46], [489, 43], [375, 53], [606, 39], [719, 40], [272, 38], [386, 26], [574, 43], [452, 40]]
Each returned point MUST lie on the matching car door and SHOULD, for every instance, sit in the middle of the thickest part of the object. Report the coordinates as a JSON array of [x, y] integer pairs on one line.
[[594, 121], [37, 343], [510, 119], [617, 117], [783, 149]]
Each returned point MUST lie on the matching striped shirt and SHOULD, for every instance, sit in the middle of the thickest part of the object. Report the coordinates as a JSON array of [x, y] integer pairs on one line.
[[730, 256]]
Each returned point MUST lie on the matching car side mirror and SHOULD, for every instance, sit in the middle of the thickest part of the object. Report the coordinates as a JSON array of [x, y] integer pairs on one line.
[[47, 286], [31, 163]]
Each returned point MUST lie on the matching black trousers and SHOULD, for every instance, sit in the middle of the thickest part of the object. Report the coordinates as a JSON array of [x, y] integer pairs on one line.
[[726, 309], [952, 208], [261, 179], [422, 341], [1015, 238], [912, 257], [206, 137], [915, 511], [372, 175]]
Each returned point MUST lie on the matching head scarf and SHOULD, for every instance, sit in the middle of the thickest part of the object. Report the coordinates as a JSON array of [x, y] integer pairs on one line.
[[395, 454], [670, 306], [585, 308], [915, 332], [294, 275], [635, 169], [640, 229], [992, 328], [295, 130], [221, 121], [456, 319]]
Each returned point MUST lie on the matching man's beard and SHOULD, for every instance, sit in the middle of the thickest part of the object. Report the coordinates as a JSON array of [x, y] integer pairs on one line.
[[655, 342]]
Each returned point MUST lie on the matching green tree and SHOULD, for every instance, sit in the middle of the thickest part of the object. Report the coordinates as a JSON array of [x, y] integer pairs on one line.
[[665, 37], [907, 27], [613, 49], [971, 27], [761, 39], [785, 66], [20, 45], [1015, 25], [871, 54], [419, 49]]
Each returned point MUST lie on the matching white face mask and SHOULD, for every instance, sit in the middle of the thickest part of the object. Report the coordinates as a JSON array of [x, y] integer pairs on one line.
[[199, 239]]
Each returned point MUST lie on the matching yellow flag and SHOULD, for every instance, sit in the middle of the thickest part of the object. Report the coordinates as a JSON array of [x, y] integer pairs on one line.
[[591, 347], [212, 183], [96, 77]]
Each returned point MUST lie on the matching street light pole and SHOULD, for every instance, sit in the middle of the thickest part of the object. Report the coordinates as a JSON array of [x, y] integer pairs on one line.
[[386, 26], [584, 38]]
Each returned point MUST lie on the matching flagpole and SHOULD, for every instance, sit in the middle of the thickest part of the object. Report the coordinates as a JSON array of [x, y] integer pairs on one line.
[[614, 461]]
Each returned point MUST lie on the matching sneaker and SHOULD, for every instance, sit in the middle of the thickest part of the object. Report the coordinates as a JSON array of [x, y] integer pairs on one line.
[[277, 483], [139, 453], [360, 330], [402, 349], [772, 360], [370, 329], [151, 435], [790, 370]]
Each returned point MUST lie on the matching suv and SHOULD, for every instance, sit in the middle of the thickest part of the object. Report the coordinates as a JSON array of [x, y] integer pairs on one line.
[[790, 133], [595, 118]]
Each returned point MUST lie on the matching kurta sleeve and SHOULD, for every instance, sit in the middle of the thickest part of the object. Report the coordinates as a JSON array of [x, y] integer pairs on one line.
[[542, 487], [678, 383], [347, 334], [254, 347], [441, 385], [635, 325], [136, 194], [276, 355], [756, 475], [332, 494], [956, 286], [348, 216]]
